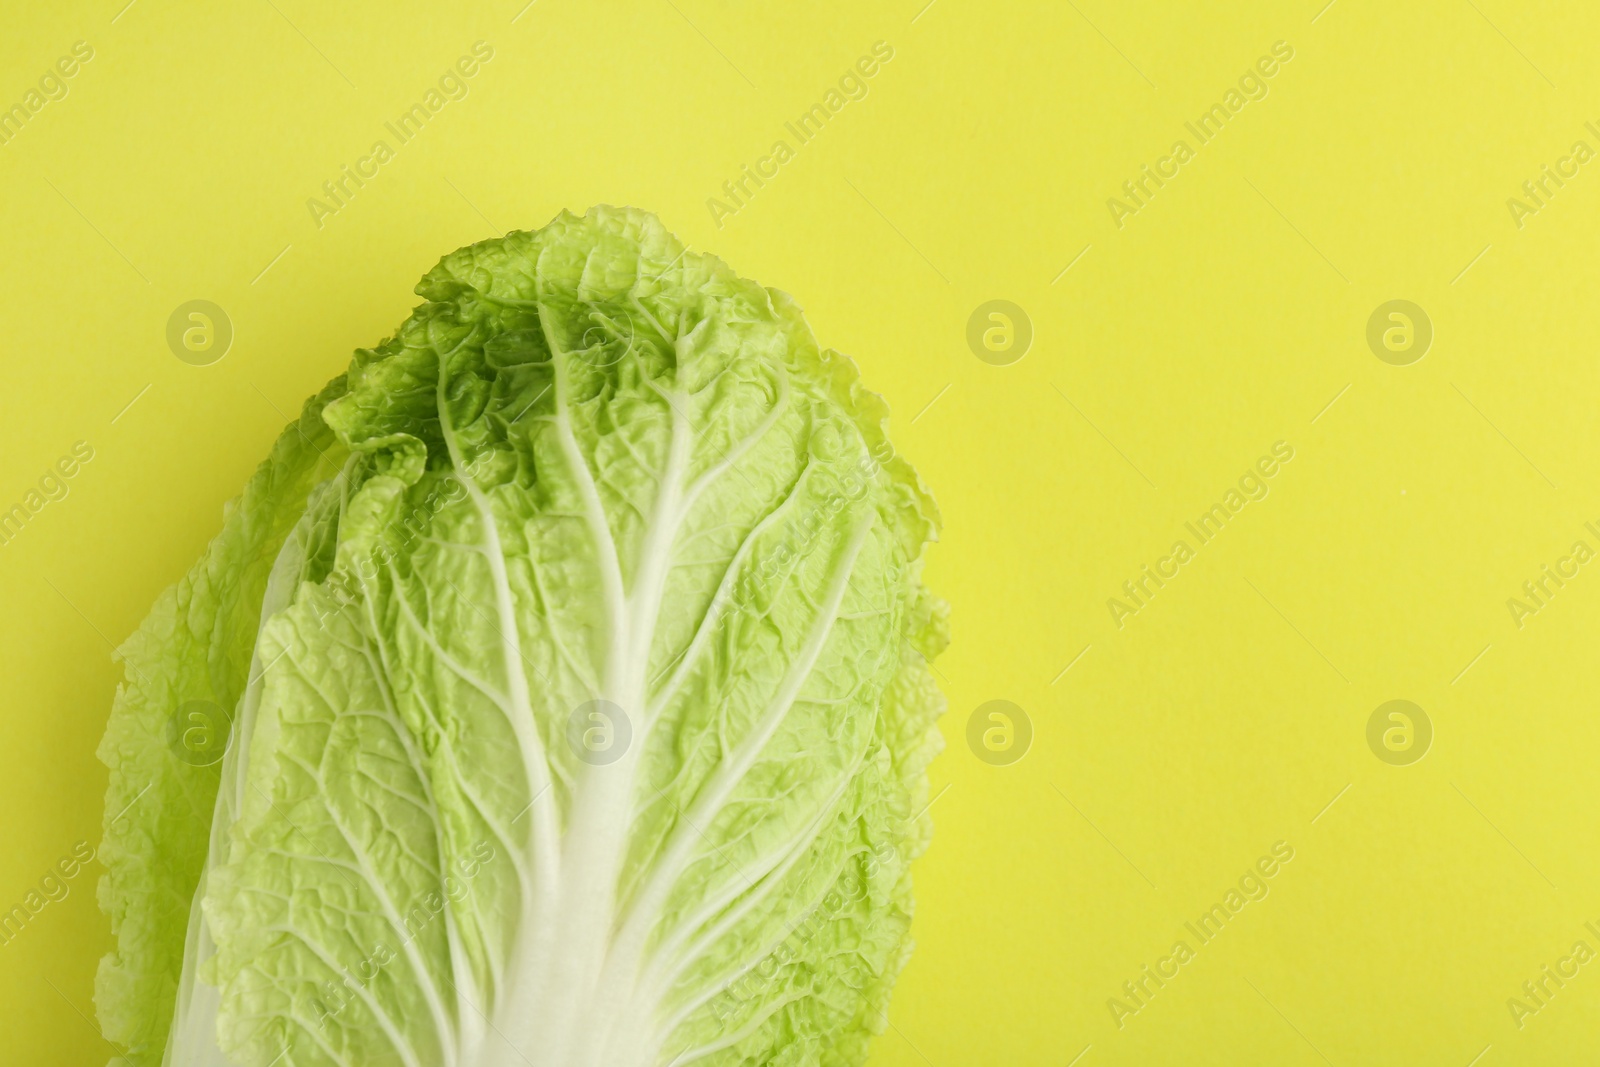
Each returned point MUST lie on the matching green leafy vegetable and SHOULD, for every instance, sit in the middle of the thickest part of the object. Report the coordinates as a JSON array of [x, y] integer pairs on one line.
[[577, 664]]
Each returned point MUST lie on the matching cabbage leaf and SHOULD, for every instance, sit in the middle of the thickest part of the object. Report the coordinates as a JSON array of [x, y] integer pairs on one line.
[[577, 662]]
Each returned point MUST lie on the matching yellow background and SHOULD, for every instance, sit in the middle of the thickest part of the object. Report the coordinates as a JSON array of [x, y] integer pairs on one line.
[[1224, 316]]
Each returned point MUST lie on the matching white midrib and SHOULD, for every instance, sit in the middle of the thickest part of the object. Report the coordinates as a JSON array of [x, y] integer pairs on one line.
[[569, 1020], [569, 998], [548, 1014]]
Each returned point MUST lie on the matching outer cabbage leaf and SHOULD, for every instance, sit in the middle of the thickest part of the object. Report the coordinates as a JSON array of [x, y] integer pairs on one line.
[[196, 646]]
